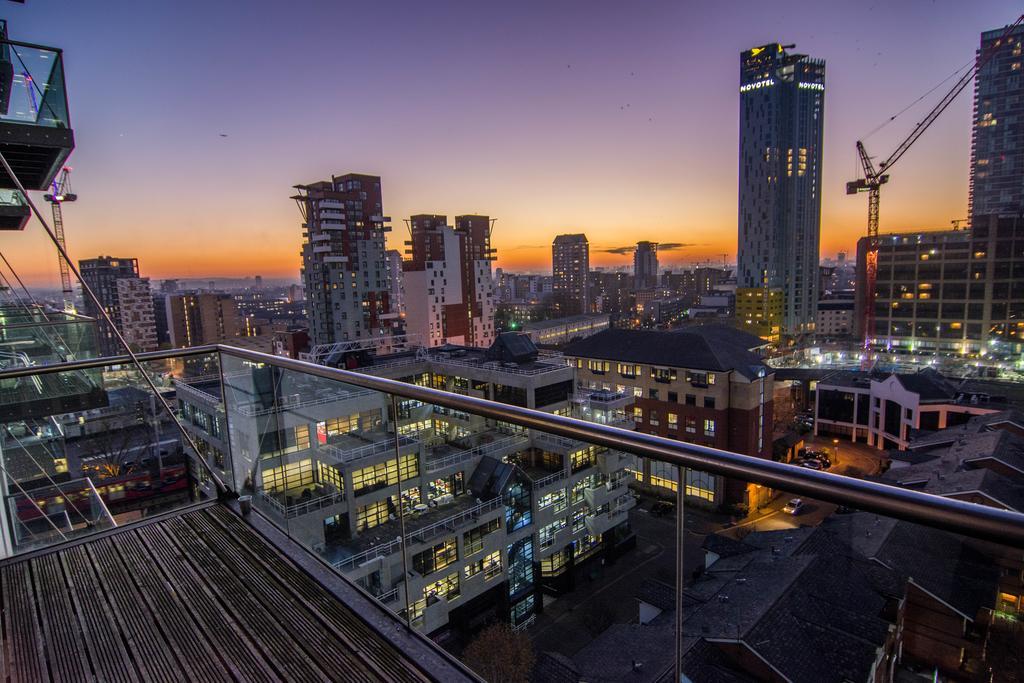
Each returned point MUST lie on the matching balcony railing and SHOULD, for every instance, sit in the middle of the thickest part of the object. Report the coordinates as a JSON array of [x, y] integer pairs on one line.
[[146, 482]]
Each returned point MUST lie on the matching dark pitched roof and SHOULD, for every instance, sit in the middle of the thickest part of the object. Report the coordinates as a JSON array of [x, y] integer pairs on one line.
[[937, 561], [712, 347], [928, 384], [657, 593], [705, 662], [609, 657]]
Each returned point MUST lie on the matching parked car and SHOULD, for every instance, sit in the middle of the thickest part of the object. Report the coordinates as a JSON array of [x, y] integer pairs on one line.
[[794, 507], [812, 464]]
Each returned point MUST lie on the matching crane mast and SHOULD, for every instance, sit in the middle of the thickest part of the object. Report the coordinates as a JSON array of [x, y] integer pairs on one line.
[[874, 179], [62, 193]]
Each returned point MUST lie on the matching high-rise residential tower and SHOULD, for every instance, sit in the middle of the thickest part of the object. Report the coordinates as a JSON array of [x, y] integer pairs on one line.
[[645, 265], [570, 266], [344, 260], [781, 124], [125, 297], [201, 318], [449, 290], [997, 144]]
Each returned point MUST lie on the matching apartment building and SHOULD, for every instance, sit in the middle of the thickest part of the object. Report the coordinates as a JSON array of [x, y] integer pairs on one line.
[[110, 279], [698, 384], [344, 260], [201, 318], [449, 288], [570, 268], [494, 516], [835, 318]]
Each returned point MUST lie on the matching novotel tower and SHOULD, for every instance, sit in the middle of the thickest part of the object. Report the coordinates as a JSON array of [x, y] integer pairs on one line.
[[782, 98]]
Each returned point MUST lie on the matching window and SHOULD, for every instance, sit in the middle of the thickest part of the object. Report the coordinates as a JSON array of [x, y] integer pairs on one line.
[[629, 371], [700, 485], [547, 533], [556, 498], [691, 425], [709, 401], [599, 367], [489, 565], [673, 397], [653, 418], [473, 540], [638, 413], [585, 457], [375, 514], [555, 564], [291, 477], [663, 375], [698, 379], [448, 587], [579, 520], [652, 394], [384, 474], [673, 421], [709, 427], [691, 399], [436, 558]]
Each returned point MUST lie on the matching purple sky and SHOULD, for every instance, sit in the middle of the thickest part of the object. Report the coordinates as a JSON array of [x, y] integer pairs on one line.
[[616, 119]]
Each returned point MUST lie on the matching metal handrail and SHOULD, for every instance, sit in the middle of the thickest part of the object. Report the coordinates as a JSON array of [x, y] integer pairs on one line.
[[1000, 526]]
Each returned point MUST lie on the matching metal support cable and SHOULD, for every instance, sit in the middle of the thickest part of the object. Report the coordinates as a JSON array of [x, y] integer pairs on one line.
[[87, 291]]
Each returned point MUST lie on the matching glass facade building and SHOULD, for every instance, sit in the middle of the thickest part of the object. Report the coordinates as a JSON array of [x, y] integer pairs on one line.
[[997, 144], [781, 125]]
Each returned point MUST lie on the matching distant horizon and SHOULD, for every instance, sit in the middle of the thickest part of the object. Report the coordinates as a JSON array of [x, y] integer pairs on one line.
[[569, 117]]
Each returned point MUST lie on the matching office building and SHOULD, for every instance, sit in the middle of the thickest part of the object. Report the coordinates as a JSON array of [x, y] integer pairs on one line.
[[781, 126], [203, 318], [103, 275], [760, 311], [344, 260], [558, 331], [496, 516], [699, 384], [835, 318], [948, 291], [449, 290], [997, 142], [645, 265], [570, 267]]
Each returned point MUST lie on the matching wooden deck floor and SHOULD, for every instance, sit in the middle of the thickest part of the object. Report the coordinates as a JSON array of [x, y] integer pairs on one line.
[[194, 597]]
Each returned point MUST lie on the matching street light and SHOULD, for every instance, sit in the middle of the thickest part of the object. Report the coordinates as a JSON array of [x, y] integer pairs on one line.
[[835, 448]]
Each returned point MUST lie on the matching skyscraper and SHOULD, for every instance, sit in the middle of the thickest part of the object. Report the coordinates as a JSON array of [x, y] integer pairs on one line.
[[201, 318], [124, 296], [344, 260], [781, 124], [645, 265], [449, 290], [570, 266], [997, 144]]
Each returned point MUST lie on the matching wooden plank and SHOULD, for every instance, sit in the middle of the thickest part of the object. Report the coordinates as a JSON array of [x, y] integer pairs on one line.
[[260, 625], [65, 650], [23, 638], [237, 652], [315, 637], [357, 634], [198, 660], [99, 628], [143, 637]]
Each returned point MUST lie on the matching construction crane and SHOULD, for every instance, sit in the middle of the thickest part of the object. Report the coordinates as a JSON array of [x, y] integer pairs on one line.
[[62, 193], [874, 178]]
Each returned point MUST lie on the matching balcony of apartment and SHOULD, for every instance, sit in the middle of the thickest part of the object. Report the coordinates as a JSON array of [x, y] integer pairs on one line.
[[265, 574], [35, 130], [449, 457], [14, 210]]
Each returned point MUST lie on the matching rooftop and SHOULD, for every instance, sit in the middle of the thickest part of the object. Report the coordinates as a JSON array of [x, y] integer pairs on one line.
[[701, 347]]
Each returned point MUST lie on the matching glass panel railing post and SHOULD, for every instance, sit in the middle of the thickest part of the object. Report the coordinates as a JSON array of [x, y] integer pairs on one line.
[[228, 468], [680, 575], [401, 511]]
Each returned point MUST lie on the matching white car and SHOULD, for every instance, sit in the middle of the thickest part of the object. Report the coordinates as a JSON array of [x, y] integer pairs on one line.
[[794, 507]]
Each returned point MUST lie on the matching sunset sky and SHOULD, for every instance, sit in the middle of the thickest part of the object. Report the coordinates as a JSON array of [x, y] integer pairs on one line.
[[617, 119]]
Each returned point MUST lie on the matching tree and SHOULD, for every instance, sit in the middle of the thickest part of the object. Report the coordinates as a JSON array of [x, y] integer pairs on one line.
[[500, 655], [113, 450]]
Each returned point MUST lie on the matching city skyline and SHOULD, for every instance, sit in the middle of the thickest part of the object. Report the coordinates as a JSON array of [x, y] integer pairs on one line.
[[576, 98]]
